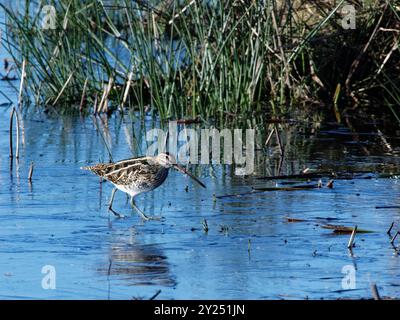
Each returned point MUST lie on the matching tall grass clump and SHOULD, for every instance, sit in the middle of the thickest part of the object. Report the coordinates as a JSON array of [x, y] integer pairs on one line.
[[207, 59]]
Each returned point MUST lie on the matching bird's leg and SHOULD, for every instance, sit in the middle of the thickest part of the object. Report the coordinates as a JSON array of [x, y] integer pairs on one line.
[[142, 214], [111, 202]]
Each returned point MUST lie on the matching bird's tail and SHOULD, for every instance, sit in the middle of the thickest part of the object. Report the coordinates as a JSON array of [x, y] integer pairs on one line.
[[90, 168]]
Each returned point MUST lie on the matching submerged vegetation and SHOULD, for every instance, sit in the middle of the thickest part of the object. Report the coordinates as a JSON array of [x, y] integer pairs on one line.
[[209, 59]]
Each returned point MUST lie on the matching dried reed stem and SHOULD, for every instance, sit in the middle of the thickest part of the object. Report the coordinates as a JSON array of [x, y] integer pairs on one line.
[[390, 228], [83, 95], [11, 132], [21, 85], [30, 172], [352, 237], [394, 238], [375, 293], [17, 132], [63, 88]]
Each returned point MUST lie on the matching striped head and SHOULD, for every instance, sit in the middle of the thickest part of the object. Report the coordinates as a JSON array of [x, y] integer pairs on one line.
[[165, 160]]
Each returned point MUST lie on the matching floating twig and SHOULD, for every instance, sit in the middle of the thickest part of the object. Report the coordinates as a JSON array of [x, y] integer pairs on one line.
[[352, 237], [288, 219], [387, 207], [339, 229], [294, 188]]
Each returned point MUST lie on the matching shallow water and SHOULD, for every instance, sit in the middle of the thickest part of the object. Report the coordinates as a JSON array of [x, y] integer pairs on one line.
[[251, 251], [61, 219]]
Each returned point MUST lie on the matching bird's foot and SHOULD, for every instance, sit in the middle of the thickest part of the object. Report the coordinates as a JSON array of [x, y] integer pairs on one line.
[[144, 216], [118, 215], [148, 218]]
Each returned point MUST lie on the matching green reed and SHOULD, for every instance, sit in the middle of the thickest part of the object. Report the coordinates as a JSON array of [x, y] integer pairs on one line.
[[206, 59]]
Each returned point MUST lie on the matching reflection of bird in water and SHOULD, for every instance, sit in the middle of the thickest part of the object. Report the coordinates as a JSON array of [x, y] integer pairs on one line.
[[139, 265], [137, 175]]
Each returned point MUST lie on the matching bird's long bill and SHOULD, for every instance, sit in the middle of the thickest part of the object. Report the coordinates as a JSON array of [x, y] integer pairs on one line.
[[183, 170]]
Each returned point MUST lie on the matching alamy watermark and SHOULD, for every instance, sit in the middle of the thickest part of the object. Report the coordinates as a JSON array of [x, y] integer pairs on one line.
[[49, 280], [47, 12], [349, 280], [200, 146], [49, 16], [349, 17]]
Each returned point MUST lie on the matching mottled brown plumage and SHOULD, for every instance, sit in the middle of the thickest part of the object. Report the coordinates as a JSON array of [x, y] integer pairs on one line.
[[132, 176], [138, 175]]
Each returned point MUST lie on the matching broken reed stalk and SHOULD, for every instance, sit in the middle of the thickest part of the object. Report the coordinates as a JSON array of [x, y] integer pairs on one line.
[[269, 137], [21, 85], [30, 172], [155, 295], [63, 88], [352, 237], [14, 111], [128, 85], [17, 133], [83, 95], [181, 12], [278, 138], [103, 97], [205, 225], [95, 105], [103, 105], [375, 292], [394, 238], [390, 228], [11, 132]]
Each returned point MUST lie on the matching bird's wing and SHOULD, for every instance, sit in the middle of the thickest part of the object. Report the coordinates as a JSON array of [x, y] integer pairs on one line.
[[104, 169], [133, 172]]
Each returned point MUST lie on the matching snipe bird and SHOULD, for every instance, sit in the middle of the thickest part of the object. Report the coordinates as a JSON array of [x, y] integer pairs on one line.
[[138, 175]]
